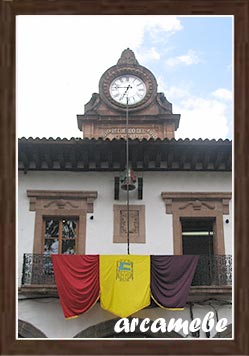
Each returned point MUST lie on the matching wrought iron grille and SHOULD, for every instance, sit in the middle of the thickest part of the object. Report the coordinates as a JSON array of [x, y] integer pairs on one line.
[[215, 270], [37, 269], [210, 270]]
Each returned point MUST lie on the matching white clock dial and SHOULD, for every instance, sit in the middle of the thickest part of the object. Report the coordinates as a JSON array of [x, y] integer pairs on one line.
[[127, 87]]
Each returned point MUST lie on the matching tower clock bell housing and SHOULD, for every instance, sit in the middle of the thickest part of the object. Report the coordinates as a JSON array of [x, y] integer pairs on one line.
[[150, 113]]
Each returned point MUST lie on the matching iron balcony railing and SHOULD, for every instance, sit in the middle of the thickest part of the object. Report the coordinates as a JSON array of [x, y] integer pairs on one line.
[[213, 270]]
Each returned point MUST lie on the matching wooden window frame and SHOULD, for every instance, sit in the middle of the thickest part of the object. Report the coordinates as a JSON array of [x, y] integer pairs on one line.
[[56, 203], [134, 238], [60, 238], [197, 204]]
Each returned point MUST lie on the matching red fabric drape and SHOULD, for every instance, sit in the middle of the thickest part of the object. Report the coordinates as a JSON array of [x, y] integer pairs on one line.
[[77, 280]]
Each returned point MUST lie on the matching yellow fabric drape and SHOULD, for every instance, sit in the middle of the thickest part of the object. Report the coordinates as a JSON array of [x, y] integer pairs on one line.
[[124, 283]]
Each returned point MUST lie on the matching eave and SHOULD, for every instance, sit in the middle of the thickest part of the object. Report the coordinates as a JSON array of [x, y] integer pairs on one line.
[[78, 154]]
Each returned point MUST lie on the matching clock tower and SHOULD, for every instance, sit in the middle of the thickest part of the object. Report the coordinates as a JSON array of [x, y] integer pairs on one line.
[[128, 87]]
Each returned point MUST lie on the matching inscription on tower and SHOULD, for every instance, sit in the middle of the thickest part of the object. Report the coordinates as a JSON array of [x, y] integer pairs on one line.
[[133, 132]]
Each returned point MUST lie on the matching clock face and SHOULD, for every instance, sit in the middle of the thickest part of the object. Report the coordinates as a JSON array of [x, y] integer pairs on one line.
[[127, 87]]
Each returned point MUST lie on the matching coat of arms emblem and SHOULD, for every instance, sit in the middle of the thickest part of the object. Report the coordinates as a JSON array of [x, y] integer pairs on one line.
[[124, 272]]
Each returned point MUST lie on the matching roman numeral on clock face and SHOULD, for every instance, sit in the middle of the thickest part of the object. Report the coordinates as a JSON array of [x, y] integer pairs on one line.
[[127, 89]]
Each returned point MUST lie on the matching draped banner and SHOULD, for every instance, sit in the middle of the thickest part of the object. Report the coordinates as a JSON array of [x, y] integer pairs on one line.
[[124, 283], [77, 280], [171, 278]]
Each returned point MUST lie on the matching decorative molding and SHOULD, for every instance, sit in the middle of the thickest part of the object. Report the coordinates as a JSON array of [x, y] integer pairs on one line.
[[136, 223], [194, 195], [62, 194], [60, 203], [127, 57], [119, 70], [198, 200], [90, 201], [133, 222], [43, 199], [197, 205], [32, 203]]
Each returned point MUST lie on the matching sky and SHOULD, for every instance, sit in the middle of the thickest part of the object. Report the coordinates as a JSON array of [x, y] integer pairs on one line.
[[60, 59]]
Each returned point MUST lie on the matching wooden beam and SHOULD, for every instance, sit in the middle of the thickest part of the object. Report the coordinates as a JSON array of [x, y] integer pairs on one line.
[[116, 188], [194, 160], [97, 157], [140, 188], [122, 159], [134, 158], [37, 159], [25, 160], [61, 160], [182, 160], [73, 156], [228, 162], [146, 159], [110, 159], [48, 159], [170, 158], [206, 159], [158, 160], [218, 160], [84, 157]]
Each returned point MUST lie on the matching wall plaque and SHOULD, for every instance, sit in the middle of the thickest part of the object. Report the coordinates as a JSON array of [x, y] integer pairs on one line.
[[133, 132]]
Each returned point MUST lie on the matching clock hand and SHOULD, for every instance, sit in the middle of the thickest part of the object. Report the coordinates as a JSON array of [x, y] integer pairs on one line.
[[127, 88]]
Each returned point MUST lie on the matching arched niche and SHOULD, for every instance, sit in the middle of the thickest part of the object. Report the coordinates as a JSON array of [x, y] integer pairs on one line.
[[226, 333], [106, 330], [27, 330]]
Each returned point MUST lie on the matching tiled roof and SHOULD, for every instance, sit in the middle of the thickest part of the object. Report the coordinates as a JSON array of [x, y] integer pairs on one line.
[[78, 139], [77, 154]]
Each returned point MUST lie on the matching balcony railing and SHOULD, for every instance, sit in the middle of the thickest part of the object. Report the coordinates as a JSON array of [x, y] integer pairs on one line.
[[37, 270], [213, 270], [210, 271]]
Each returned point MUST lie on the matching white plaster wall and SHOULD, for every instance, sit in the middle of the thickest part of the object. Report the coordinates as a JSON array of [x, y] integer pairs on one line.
[[228, 230], [47, 315], [99, 240]]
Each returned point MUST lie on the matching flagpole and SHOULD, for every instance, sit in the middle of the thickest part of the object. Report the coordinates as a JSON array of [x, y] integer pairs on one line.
[[127, 178]]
